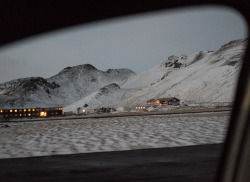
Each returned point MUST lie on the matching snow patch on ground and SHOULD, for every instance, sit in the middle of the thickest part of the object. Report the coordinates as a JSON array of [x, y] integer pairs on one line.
[[26, 139]]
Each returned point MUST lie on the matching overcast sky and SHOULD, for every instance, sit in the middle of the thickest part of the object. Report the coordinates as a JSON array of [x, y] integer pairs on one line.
[[136, 42]]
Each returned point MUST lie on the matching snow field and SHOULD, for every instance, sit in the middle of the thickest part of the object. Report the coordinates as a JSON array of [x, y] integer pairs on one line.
[[27, 139]]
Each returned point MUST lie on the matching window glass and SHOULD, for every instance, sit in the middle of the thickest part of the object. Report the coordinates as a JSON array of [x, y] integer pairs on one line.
[[172, 72]]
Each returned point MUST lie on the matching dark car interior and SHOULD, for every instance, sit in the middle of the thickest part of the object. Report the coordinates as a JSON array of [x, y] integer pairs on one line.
[[22, 19]]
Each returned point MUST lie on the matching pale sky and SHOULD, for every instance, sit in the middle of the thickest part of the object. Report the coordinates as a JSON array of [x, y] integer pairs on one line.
[[137, 42]]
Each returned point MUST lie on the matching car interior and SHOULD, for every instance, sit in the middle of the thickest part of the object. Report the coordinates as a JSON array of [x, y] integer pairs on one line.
[[22, 19]]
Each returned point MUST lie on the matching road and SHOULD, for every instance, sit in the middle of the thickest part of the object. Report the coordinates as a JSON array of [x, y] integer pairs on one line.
[[121, 114], [179, 164]]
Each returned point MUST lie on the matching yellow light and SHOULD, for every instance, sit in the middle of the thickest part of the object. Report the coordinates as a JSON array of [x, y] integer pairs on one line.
[[24, 110], [20, 114], [28, 109], [43, 114], [15, 110], [28, 114], [11, 110], [1, 110], [33, 109]]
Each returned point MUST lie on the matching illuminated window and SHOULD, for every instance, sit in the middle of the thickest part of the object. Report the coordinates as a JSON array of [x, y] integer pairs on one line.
[[24, 110], [20, 114], [29, 114], [20, 110], [15, 110], [33, 109], [1, 111], [42, 114], [28, 109], [11, 110]]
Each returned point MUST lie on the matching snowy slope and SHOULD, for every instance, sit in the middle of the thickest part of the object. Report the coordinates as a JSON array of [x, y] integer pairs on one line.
[[108, 95], [79, 81], [31, 92], [200, 77], [68, 86]]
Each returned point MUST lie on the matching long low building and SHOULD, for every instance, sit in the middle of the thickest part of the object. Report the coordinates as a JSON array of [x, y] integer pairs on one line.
[[30, 112]]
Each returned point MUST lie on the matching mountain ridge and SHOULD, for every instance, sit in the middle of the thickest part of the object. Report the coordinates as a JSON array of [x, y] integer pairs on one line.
[[66, 87], [201, 77]]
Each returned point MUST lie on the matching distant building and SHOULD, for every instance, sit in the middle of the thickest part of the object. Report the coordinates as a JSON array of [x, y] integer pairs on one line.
[[151, 102], [104, 110], [173, 101], [140, 107], [163, 101], [123, 109], [30, 112]]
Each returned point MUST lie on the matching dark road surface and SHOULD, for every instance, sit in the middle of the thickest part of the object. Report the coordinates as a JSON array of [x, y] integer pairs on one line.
[[179, 164]]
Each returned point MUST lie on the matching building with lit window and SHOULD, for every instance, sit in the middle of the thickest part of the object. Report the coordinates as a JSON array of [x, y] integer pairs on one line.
[[30, 112], [163, 101]]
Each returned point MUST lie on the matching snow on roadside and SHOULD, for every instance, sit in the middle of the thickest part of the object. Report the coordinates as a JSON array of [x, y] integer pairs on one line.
[[26, 139]]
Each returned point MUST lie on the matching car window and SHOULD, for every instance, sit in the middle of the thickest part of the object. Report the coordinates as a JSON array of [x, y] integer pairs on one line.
[[157, 80]]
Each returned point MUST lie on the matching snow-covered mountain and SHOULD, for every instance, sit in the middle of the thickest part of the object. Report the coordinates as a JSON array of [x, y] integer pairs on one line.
[[108, 95], [67, 87], [202, 77]]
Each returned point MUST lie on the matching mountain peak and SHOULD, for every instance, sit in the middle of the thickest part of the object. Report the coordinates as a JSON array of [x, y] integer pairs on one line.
[[74, 68], [89, 67], [122, 70], [232, 44]]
